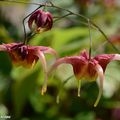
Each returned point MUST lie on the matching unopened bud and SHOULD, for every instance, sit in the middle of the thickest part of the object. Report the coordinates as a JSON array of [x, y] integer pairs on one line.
[[40, 21]]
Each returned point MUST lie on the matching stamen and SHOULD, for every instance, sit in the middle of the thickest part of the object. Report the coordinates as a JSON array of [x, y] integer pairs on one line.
[[44, 88], [116, 57], [79, 86], [33, 64]]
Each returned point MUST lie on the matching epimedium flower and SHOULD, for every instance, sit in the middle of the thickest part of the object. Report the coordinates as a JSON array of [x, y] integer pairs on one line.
[[88, 68], [27, 56], [40, 21]]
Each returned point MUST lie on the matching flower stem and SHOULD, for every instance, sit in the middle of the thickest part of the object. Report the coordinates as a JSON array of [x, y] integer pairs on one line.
[[90, 49]]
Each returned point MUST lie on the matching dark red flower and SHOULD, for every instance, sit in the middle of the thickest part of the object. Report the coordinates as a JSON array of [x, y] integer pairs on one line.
[[88, 68], [40, 21], [27, 56]]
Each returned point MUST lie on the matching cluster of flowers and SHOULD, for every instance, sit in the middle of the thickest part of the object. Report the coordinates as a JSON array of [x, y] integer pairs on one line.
[[84, 66]]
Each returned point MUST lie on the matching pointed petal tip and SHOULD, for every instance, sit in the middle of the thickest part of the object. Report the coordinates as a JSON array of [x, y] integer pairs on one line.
[[116, 57], [97, 101], [2, 47], [52, 51], [98, 98], [95, 105], [79, 86], [78, 94], [42, 93], [43, 90], [58, 99]]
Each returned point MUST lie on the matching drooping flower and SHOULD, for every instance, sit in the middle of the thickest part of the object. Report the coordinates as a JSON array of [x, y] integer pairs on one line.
[[88, 68], [40, 21], [27, 56]]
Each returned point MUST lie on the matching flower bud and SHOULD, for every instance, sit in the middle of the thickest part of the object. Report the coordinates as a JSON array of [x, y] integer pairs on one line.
[[40, 21]]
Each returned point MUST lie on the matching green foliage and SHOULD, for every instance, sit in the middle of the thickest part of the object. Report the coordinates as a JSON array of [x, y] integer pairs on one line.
[[22, 90], [20, 87]]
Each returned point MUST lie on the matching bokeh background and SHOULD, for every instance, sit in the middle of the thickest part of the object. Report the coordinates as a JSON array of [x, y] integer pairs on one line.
[[20, 87]]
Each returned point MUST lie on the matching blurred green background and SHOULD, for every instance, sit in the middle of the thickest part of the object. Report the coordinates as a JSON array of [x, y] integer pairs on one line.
[[20, 87]]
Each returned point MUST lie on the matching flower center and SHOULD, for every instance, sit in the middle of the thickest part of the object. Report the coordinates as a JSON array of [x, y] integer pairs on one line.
[[21, 50]]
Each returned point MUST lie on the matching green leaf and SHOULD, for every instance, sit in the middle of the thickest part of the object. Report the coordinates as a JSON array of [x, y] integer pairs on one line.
[[5, 64], [22, 90]]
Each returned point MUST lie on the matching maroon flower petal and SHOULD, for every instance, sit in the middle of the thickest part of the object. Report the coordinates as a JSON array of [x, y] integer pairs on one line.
[[89, 68], [40, 21], [104, 59], [48, 50], [77, 62], [3, 48]]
